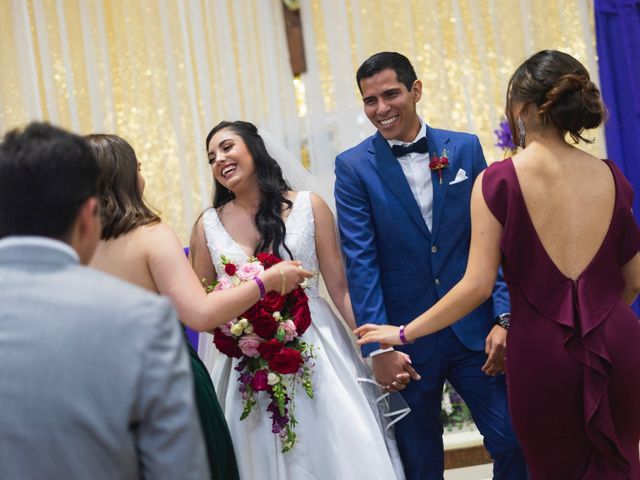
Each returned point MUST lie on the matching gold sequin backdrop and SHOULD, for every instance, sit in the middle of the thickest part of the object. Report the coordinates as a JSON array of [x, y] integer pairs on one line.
[[161, 73]]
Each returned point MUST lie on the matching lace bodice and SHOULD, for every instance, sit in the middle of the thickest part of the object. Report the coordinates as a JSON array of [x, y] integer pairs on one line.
[[300, 239]]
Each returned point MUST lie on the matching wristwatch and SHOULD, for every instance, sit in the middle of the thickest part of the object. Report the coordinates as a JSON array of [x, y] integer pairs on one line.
[[504, 320]]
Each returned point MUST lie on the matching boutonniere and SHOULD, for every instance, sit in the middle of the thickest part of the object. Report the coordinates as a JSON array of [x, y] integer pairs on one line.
[[438, 163]]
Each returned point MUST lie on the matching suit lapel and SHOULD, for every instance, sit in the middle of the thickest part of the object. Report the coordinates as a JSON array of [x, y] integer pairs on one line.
[[437, 144], [390, 171]]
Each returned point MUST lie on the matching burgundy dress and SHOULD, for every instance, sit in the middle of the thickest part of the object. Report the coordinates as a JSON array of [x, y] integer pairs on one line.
[[573, 352]]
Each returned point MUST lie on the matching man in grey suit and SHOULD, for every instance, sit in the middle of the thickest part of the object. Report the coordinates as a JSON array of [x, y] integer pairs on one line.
[[94, 377]]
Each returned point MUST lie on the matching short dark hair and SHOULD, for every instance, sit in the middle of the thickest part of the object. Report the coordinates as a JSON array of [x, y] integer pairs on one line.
[[46, 175], [122, 207], [388, 60], [560, 86], [272, 184]]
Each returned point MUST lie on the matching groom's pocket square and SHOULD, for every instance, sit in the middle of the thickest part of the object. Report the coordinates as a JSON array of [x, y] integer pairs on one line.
[[461, 176]]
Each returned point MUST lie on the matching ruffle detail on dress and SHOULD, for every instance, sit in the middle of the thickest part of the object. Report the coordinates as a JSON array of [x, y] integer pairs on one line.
[[579, 308]]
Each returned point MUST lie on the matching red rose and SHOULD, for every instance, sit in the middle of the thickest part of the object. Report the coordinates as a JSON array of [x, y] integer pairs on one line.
[[299, 311], [252, 312], [272, 302], [269, 348], [287, 361], [259, 380], [264, 324], [268, 259], [230, 269], [226, 344]]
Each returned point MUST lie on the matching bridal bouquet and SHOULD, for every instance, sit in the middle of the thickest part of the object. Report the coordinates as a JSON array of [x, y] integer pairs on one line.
[[267, 340]]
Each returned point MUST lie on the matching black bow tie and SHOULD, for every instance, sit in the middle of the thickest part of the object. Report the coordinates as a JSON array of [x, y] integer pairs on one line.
[[418, 147]]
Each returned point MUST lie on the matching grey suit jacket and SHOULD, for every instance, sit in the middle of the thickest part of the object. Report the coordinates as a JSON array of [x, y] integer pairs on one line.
[[94, 377]]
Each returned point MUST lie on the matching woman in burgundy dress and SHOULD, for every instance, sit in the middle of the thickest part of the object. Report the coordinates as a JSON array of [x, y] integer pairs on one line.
[[560, 222]]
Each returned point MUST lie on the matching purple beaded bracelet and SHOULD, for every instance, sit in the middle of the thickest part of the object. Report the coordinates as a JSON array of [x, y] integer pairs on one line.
[[263, 291], [403, 339]]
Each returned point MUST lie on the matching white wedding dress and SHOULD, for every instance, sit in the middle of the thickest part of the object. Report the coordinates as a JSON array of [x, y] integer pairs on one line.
[[338, 434]]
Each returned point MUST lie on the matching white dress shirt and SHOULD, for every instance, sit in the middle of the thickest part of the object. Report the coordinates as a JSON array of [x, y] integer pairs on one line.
[[416, 169]]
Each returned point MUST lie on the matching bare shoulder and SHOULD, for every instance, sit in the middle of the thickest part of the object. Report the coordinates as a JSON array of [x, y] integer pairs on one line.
[[320, 207]]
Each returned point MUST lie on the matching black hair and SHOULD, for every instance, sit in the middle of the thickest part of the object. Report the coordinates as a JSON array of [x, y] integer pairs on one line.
[[560, 86], [388, 60], [273, 188], [46, 175], [122, 207]]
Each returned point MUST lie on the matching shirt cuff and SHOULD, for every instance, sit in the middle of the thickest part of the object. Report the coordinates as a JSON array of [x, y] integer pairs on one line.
[[379, 351]]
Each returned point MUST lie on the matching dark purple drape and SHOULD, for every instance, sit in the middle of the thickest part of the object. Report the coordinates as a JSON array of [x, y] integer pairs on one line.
[[618, 44], [193, 336]]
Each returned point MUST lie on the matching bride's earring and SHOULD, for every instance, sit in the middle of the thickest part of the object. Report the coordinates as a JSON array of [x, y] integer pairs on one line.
[[521, 132]]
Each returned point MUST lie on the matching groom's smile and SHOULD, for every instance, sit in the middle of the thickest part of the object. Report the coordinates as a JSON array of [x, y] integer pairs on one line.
[[390, 107]]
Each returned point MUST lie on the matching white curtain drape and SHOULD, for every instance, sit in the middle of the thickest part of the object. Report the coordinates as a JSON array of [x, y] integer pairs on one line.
[[161, 73]]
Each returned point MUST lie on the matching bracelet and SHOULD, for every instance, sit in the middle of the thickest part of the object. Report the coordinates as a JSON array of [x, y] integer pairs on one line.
[[403, 339], [260, 284], [504, 320], [283, 282]]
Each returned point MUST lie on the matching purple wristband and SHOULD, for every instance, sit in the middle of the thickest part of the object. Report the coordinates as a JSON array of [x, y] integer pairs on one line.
[[403, 339], [263, 291]]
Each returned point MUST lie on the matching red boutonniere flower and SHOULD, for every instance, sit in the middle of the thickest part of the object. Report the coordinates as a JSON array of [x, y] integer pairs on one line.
[[438, 163]]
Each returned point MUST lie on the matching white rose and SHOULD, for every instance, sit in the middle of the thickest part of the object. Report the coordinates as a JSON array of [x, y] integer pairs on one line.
[[237, 329], [273, 378], [248, 329], [277, 316], [243, 322]]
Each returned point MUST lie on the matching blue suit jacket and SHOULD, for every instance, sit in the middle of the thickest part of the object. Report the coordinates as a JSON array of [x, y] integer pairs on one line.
[[396, 267]]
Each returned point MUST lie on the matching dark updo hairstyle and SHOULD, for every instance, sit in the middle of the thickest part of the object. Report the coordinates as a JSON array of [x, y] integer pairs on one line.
[[561, 88], [270, 181], [122, 207]]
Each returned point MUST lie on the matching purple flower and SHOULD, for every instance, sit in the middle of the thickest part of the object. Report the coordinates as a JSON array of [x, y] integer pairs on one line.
[[278, 421], [505, 139]]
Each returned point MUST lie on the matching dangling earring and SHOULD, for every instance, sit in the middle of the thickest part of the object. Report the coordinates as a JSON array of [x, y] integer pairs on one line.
[[521, 132]]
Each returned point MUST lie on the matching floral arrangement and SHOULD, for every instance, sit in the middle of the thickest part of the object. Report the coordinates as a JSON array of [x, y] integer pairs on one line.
[[454, 414], [437, 164], [505, 139], [267, 340]]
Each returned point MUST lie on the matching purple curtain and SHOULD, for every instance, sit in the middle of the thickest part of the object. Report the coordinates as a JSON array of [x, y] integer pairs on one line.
[[193, 336], [618, 45]]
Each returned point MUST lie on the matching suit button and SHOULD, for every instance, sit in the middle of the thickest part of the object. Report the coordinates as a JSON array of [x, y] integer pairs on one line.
[[434, 249], [437, 281]]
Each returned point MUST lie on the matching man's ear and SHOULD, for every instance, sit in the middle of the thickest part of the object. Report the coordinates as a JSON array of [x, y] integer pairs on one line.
[[89, 215], [416, 89], [87, 230]]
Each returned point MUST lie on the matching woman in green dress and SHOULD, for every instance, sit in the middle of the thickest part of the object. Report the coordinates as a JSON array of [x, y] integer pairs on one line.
[[137, 247]]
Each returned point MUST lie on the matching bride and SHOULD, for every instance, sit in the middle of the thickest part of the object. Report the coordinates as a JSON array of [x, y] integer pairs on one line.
[[254, 210]]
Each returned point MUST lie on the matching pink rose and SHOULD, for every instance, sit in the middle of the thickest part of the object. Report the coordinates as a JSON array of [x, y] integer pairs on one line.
[[223, 284], [249, 270], [259, 380], [226, 328], [289, 330], [249, 345]]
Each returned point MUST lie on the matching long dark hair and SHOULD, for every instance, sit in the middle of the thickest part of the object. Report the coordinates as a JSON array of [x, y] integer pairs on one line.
[[560, 86], [122, 207], [272, 186]]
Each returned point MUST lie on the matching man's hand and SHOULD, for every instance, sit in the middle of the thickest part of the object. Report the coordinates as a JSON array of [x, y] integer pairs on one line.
[[393, 370], [495, 348]]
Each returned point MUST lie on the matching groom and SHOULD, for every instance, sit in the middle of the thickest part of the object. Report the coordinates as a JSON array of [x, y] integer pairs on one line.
[[403, 200]]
